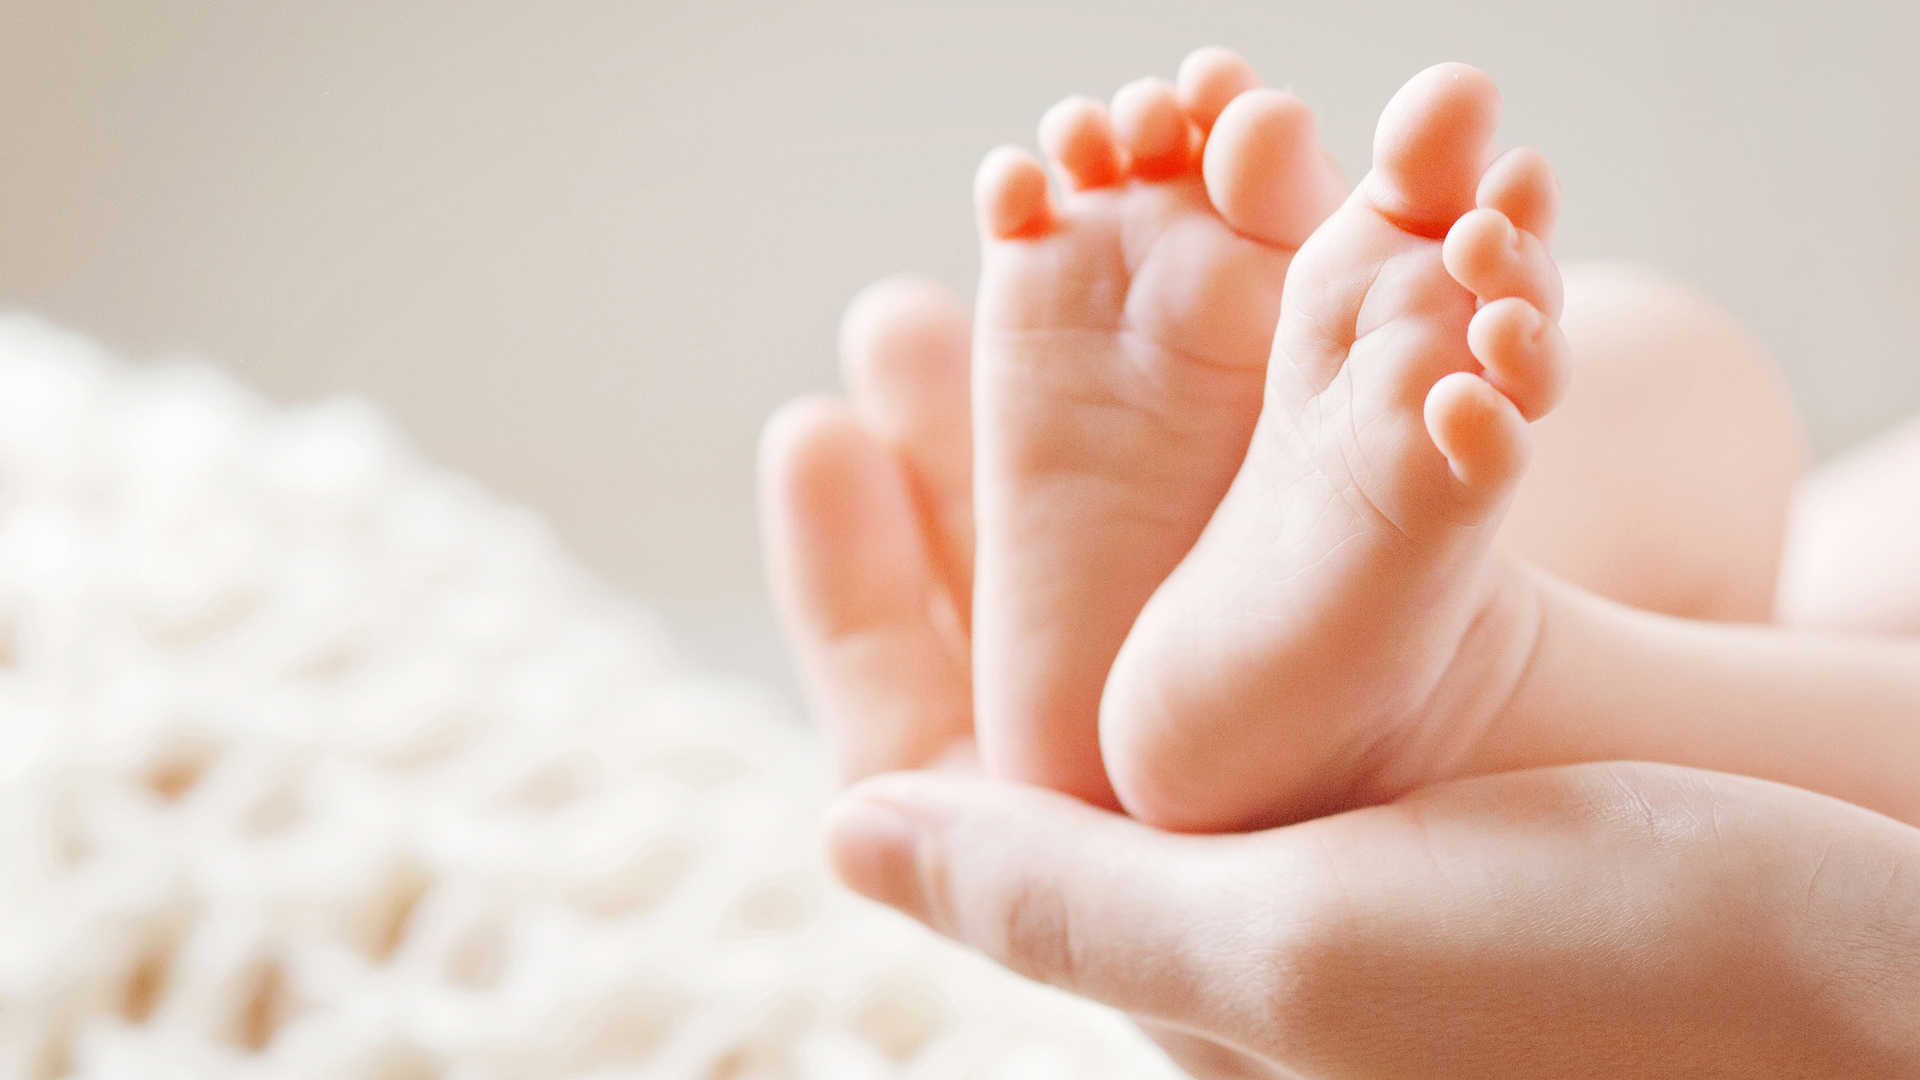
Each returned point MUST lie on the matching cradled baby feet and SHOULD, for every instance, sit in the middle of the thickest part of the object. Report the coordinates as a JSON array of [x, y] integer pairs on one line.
[[1343, 631], [1121, 342]]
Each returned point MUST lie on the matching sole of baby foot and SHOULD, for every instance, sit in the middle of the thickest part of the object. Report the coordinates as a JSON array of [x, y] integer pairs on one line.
[[1344, 629], [1121, 336]]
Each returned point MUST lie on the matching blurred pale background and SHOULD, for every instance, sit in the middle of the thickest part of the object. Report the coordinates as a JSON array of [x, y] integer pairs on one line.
[[580, 250]]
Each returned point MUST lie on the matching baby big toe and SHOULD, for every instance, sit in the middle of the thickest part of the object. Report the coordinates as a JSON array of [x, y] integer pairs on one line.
[[1266, 173], [1434, 141]]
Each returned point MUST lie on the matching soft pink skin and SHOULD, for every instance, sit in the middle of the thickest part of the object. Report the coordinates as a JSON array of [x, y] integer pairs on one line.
[[867, 541], [866, 507], [1604, 682], [1344, 627], [1346, 631], [1851, 562], [1601, 920], [1069, 562]]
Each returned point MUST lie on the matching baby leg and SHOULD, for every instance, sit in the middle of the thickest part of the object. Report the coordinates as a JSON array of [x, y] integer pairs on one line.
[[1663, 479], [1852, 562]]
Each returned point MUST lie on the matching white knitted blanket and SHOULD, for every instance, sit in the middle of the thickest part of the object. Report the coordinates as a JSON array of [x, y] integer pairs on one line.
[[316, 762]]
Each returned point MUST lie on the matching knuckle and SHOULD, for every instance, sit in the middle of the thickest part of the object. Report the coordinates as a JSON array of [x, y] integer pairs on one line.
[[1037, 932]]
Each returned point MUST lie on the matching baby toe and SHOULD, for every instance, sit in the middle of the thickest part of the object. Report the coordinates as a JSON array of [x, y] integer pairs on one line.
[[1010, 195], [1150, 124], [1526, 356], [1077, 136], [1492, 259], [1210, 78], [1522, 185]]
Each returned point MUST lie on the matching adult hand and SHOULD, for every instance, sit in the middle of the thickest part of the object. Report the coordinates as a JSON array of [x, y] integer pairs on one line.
[[1614, 920], [1620, 920]]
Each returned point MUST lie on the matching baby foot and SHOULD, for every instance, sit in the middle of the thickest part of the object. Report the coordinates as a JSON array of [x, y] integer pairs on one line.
[[1121, 342], [1344, 630]]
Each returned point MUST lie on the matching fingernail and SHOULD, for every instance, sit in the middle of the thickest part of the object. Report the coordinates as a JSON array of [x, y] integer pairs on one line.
[[874, 847]]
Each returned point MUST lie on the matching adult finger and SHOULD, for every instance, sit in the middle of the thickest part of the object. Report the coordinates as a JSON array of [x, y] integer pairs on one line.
[[905, 353], [852, 577]]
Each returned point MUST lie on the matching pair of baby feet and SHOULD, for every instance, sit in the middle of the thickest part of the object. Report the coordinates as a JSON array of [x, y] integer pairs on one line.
[[1227, 576]]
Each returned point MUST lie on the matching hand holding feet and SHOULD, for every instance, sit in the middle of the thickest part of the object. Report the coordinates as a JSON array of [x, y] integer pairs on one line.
[[1121, 340], [1343, 631]]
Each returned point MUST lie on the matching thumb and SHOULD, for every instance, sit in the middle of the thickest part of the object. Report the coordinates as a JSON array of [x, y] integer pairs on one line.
[[1065, 894]]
